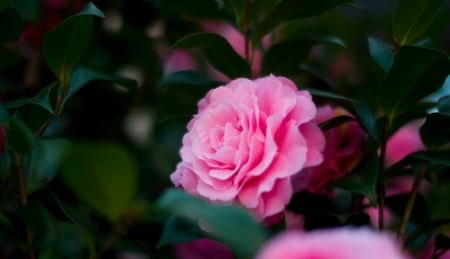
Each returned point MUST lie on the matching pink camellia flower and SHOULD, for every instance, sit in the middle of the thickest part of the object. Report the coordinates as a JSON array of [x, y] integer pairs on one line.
[[343, 151], [404, 142], [202, 248], [247, 140], [344, 243], [2, 139]]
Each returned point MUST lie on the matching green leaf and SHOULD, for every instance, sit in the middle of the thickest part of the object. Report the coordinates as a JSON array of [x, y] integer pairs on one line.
[[442, 242], [285, 57], [444, 105], [420, 212], [20, 137], [425, 229], [239, 9], [289, 10], [413, 17], [382, 53], [42, 164], [415, 73], [38, 218], [65, 45], [218, 52], [4, 116], [10, 24], [188, 77], [363, 179], [179, 229], [105, 176], [356, 107], [440, 157], [222, 222], [433, 132], [41, 99], [5, 4]]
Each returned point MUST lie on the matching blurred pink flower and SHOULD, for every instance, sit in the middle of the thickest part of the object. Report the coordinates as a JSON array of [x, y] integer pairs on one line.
[[404, 142], [202, 248], [246, 141], [344, 243], [344, 149], [2, 139], [178, 60]]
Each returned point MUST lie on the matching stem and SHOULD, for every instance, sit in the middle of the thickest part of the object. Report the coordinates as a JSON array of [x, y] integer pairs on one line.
[[55, 114], [381, 190], [410, 203], [247, 32]]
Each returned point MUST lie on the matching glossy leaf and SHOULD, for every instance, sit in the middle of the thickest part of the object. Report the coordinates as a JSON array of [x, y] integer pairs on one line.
[[41, 99], [42, 164], [433, 132], [413, 17], [285, 57], [105, 176], [10, 25], [20, 137], [188, 77], [4, 116], [382, 53], [239, 9], [218, 52], [440, 157], [420, 212], [426, 229], [65, 45], [289, 10], [415, 73], [178, 230], [357, 108], [363, 179], [222, 222], [444, 105]]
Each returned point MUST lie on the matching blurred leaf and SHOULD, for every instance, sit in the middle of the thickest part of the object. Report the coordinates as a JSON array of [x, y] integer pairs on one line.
[[420, 212], [4, 116], [41, 99], [188, 77], [363, 179], [239, 9], [104, 175], [38, 219], [20, 137], [415, 73], [289, 10], [444, 105], [177, 230], [4, 4], [5, 222], [418, 111], [441, 157], [10, 24], [425, 229], [218, 52], [413, 17], [82, 75], [65, 45], [382, 53], [42, 164], [442, 242], [285, 57], [222, 222], [72, 242], [433, 133], [356, 107]]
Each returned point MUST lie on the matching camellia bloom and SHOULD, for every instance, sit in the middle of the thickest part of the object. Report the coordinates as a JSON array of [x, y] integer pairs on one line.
[[343, 151], [404, 142], [247, 140], [344, 243], [202, 248]]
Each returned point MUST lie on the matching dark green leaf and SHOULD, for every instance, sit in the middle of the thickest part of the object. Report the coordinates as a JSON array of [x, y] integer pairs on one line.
[[415, 73], [41, 99], [42, 164], [239, 9], [289, 10], [222, 222], [5, 222], [363, 179], [104, 175], [285, 57], [356, 107], [420, 212], [442, 241], [4, 116], [65, 45], [188, 77], [433, 132], [177, 230], [72, 242], [382, 53], [413, 17], [425, 229], [10, 25], [218, 52], [444, 105], [440, 157], [4, 4], [20, 137]]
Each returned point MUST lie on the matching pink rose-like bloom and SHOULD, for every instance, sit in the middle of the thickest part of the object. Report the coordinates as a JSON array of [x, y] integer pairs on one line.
[[202, 248], [247, 140], [343, 151], [344, 243], [404, 142]]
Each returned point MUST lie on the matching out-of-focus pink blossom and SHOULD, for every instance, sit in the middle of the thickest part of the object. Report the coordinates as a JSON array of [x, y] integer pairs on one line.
[[2, 139], [343, 151], [404, 142], [178, 60], [202, 248], [246, 141], [345, 243]]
